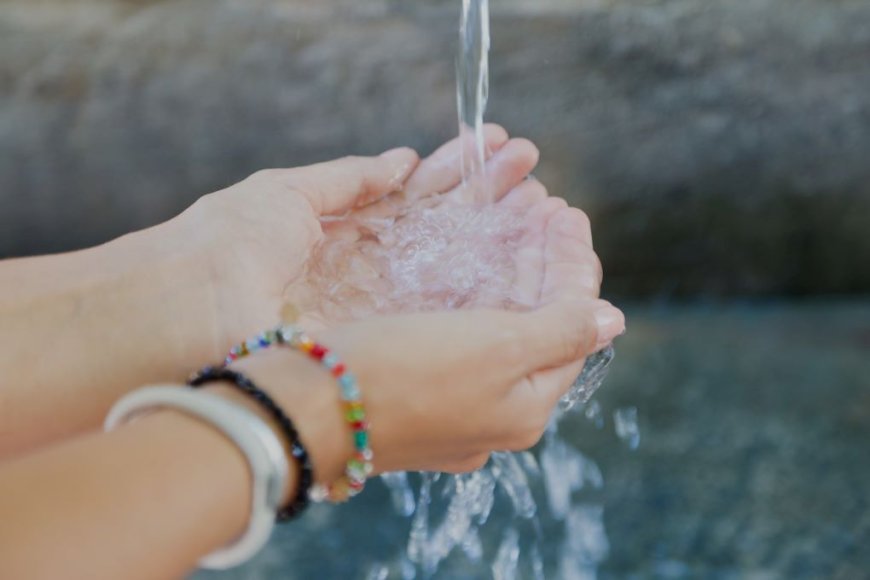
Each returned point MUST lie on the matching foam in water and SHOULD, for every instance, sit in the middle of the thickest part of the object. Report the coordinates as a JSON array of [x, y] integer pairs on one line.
[[442, 255]]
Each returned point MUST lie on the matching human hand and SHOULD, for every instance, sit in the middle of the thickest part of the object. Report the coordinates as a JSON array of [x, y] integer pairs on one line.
[[460, 385], [258, 234], [376, 259], [445, 389]]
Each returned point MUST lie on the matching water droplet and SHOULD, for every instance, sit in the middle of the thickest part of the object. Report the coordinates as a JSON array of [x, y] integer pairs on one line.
[[378, 572], [506, 562], [400, 492], [511, 477], [625, 421], [593, 413], [585, 545]]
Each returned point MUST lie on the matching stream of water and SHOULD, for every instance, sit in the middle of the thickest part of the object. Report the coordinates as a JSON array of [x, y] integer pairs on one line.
[[458, 250], [463, 503], [472, 86]]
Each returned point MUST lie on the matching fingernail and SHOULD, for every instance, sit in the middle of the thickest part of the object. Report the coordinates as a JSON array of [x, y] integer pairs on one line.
[[611, 323]]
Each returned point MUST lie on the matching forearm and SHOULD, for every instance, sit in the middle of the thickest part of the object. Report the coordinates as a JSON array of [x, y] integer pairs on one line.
[[150, 499], [79, 329], [146, 501]]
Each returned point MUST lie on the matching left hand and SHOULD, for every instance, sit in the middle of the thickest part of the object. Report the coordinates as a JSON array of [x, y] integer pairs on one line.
[[258, 234]]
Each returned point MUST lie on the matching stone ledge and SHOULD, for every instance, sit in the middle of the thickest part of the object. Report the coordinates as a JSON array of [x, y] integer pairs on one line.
[[720, 148]]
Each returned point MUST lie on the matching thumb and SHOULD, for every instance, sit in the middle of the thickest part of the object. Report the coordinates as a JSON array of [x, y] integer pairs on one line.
[[568, 330], [336, 186]]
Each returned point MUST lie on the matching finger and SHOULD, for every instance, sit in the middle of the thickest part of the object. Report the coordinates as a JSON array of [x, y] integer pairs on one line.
[[573, 223], [506, 171], [571, 267], [552, 384], [442, 171], [527, 193], [564, 332], [529, 260], [336, 186], [507, 168], [527, 408]]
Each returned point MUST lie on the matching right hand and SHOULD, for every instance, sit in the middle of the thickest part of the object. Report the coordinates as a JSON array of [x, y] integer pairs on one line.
[[445, 389]]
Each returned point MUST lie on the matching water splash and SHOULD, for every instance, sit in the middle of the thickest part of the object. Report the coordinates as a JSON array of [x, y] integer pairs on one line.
[[511, 477], [566, 471], [507, 560], [625, 421], [594, 372], [401, 493], [593, 414], [455, 253], [585, 546], [470, 499], [378, 572], [453, 512]]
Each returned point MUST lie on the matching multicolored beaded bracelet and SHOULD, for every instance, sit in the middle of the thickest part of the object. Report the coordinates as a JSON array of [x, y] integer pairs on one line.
[[359, 466]]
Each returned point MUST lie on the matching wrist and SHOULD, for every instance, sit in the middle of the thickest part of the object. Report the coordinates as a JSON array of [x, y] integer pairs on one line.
[[174, 302], [232, 394], [307, 394]]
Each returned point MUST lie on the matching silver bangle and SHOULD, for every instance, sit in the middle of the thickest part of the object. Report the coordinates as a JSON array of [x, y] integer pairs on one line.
[[260, 445]]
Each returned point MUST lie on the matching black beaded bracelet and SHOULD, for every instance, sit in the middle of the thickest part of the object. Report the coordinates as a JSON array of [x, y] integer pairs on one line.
[[297, 450]]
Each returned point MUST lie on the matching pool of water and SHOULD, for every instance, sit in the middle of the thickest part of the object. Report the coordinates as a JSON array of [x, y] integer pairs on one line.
[[753, 462]]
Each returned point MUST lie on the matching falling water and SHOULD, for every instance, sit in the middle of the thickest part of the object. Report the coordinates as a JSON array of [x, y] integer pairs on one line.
[[472, 87], [459, 253], [562, 469]]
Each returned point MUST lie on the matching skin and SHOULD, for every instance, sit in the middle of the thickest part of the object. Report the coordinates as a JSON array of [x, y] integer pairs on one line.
[[148, 500]]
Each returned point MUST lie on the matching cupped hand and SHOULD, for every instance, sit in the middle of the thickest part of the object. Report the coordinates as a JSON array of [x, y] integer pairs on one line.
[[259, 233], [445, 389]]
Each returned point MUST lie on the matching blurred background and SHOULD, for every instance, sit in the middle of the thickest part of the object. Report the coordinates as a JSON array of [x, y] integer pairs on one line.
[[721, 147]]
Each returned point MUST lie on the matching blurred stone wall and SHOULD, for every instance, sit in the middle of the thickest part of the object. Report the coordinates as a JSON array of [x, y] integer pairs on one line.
[[722, 147]]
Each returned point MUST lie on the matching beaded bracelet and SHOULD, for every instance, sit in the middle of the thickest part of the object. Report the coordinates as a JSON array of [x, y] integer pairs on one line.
[[297, 450], [359, 466]]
